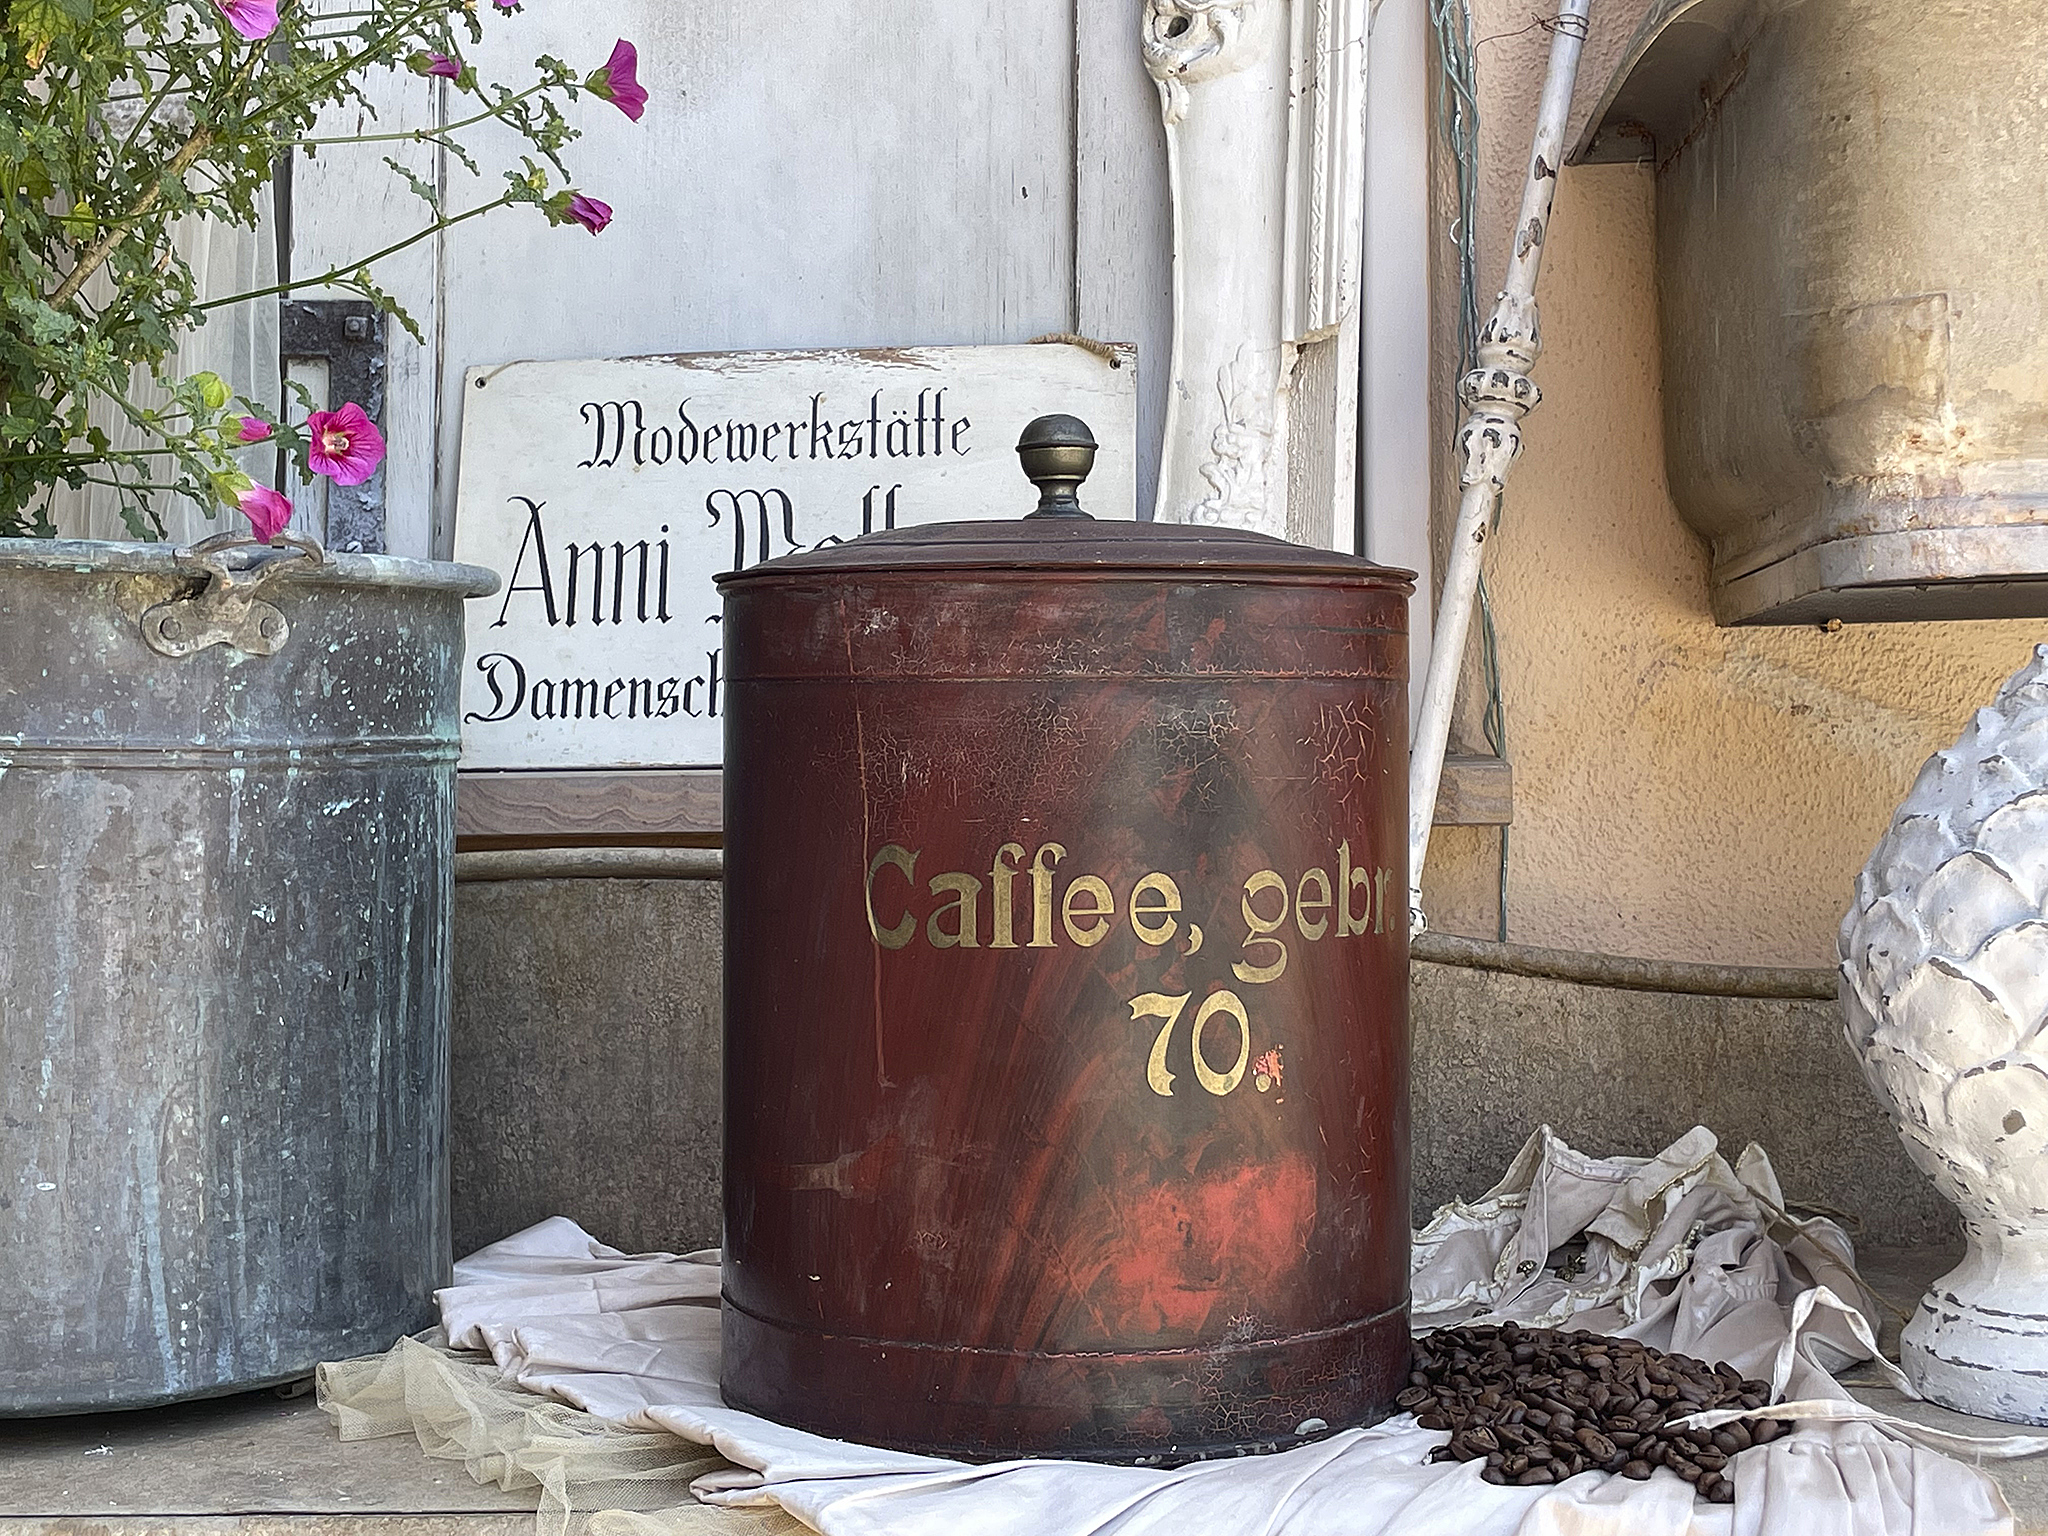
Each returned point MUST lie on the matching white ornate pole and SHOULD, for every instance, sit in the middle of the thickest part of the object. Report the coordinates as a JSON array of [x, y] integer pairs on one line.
[[1498, 393], [1222, 71], [1263, 106]]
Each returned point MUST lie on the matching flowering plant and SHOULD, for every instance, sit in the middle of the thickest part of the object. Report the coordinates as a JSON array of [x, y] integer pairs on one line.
[[118, 118]]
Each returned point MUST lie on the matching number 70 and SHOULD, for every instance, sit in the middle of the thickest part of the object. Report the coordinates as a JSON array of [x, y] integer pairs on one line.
[[1157, 1005]]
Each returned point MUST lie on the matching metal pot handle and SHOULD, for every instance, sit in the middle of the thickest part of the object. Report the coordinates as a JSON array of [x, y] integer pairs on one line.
[[227, 609]]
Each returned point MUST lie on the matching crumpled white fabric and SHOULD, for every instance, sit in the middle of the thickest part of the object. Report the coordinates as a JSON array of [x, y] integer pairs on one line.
[[1681, 1251]]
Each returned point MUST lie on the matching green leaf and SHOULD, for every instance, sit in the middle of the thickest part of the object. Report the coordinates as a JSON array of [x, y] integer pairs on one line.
[[36, 24], [45, 325]]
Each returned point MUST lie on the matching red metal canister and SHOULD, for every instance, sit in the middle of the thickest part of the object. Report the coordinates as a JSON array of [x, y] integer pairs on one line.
[[1066, 1047]]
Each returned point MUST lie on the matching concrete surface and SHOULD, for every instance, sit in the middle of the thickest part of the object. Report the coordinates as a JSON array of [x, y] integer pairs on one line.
[[247, 1465], [586, 1074], [1616, 1071], [587, 1081]]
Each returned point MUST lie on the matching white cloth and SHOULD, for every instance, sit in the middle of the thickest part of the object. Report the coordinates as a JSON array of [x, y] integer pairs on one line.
[[1681, 1251]]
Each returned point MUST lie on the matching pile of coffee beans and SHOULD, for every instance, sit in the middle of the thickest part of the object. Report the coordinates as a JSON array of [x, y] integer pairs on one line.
[[1539, 1405]]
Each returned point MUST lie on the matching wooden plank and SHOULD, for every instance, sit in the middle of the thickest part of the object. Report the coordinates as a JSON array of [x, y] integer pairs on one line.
[[1476, 792], [687, 806], [649, 807]]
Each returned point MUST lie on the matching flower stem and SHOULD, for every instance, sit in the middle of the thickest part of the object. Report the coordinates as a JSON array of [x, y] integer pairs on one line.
[[334, 274], [428, 133], [96, 254]]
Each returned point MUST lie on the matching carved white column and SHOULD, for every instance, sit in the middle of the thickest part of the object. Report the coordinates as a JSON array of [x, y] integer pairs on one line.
[[1263, 102]]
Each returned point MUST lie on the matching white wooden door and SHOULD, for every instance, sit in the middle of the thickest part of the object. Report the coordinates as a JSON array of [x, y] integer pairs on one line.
[[838, 174]]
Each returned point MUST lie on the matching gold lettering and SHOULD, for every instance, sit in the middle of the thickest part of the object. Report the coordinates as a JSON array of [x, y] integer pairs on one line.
[[1303, 905], [899, 933], [1041, 894], [1002, 874], [1261, 931], [967, 891], [1220, 1083], [1101, 908], [1349, 880], [1379, 899], [1143, 913], [1157, 1005]]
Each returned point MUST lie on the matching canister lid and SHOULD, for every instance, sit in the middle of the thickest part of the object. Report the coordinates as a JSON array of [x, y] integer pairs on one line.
[[1057, 452]]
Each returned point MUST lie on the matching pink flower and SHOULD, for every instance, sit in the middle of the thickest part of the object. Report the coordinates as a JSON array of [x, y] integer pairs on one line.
[[253, 430], [345, 444], [589, 212], [618, 82], [266, 510], [252, 18], [441, 64], [507, 5]]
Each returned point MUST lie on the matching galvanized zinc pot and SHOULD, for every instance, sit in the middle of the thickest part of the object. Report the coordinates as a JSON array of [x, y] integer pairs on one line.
[[226, 833], [1066, 987], [1855, 332]]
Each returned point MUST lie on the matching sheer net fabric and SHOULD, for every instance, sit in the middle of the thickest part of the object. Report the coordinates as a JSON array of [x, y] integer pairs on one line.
[[593, 1478]]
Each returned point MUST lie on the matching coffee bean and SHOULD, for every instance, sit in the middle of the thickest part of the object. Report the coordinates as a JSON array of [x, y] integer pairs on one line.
[[1724, 1492], [1597, 1445], [1494, 1475], [1540, 1405]]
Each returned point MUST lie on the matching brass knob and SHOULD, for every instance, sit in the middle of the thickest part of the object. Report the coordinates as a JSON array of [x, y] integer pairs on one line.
[[1057, 452]]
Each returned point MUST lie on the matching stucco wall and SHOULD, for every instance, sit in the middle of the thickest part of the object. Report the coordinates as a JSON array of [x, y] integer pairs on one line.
[[1681, 791]]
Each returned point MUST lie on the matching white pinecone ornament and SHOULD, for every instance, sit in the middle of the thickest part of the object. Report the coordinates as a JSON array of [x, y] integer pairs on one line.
[[1944, 996]]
